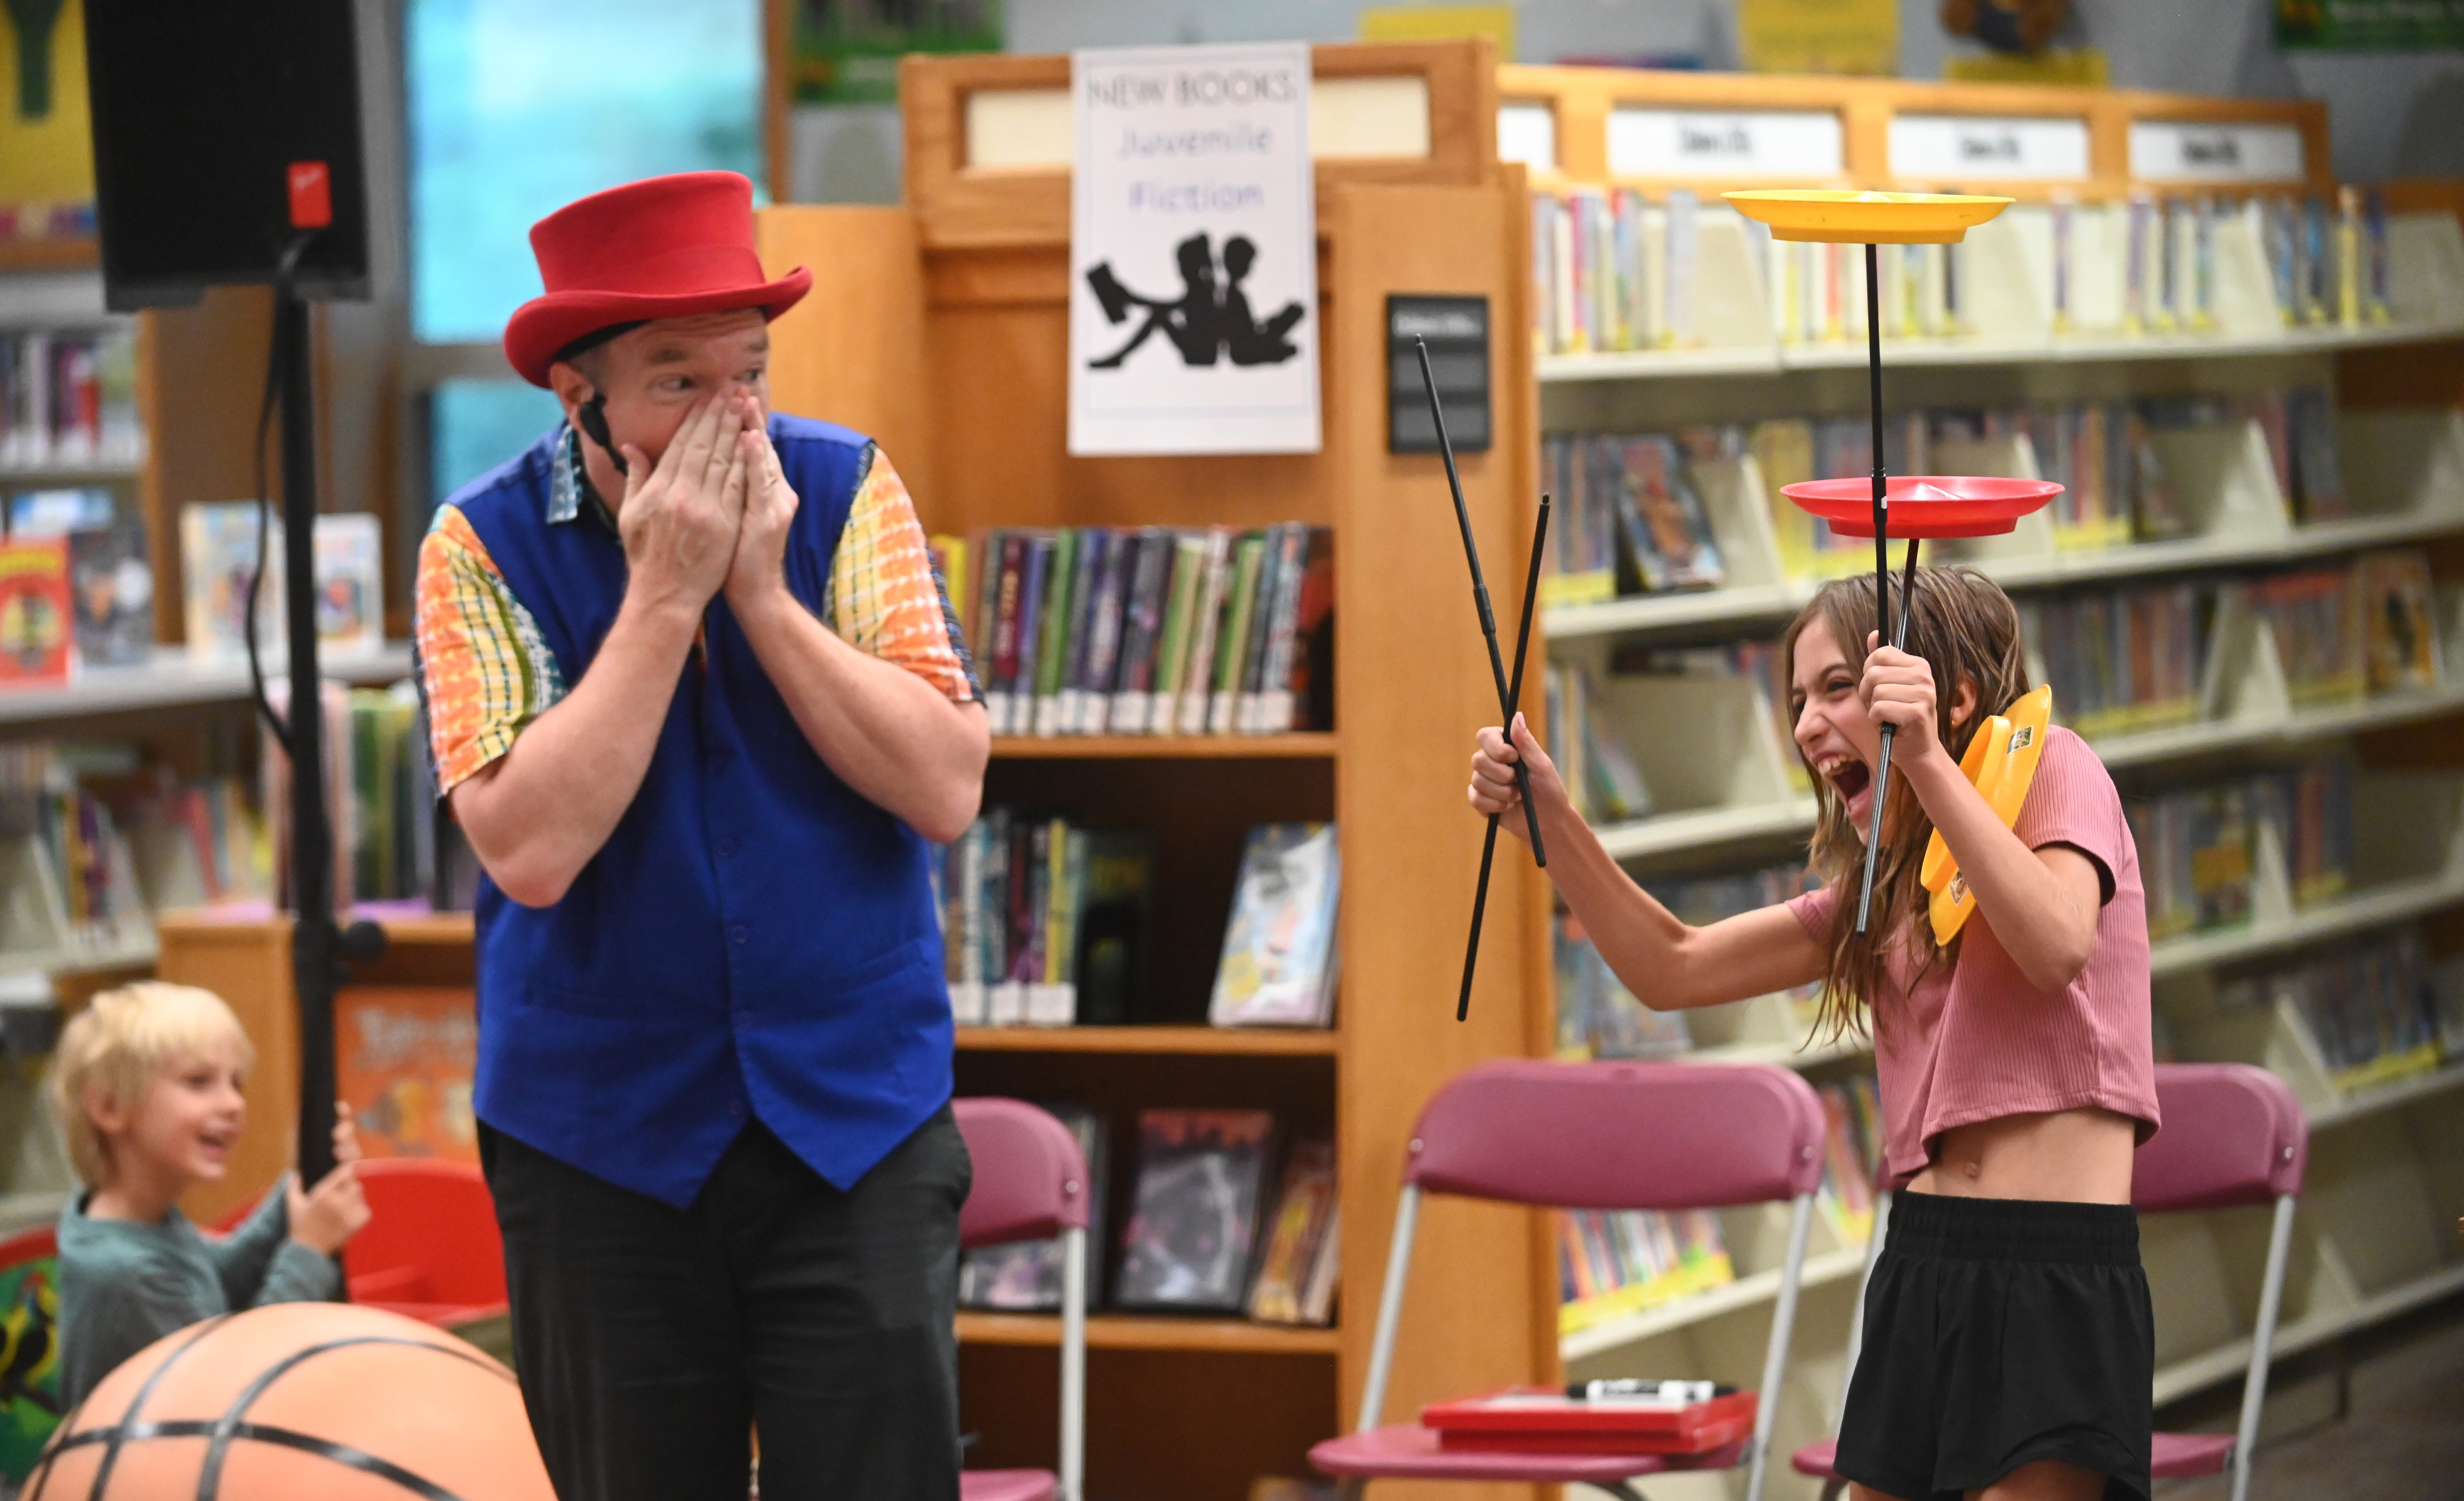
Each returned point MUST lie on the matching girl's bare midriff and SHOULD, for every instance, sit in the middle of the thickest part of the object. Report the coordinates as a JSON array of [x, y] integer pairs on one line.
[[2071, 1155]]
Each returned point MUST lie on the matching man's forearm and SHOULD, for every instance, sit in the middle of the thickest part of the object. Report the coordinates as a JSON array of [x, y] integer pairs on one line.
[[540, 814], [893, 736]]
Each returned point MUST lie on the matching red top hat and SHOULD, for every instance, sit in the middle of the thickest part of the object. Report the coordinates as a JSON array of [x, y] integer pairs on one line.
[[664, 247]]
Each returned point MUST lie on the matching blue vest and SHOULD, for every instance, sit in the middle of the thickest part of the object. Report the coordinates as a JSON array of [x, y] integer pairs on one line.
[[754, 938]]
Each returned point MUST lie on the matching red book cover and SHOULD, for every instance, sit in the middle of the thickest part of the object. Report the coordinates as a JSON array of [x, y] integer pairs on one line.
[[1539, 1420], [35, 641]]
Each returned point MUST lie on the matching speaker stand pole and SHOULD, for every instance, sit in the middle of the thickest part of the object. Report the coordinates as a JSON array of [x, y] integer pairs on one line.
[[318, 945]]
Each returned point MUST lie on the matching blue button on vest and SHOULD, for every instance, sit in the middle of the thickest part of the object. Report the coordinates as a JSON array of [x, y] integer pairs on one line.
[[754, 936]]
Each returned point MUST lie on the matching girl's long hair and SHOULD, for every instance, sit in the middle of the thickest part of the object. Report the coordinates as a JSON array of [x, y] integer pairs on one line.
[[1966, 628]]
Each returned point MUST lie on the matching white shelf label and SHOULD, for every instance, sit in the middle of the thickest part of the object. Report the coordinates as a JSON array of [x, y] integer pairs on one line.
[[1527, 133], [1707, 142], [2177, 151], [1998, 148]]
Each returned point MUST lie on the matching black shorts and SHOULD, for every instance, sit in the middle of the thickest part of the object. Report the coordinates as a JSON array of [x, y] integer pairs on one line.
[[1999, 1332]]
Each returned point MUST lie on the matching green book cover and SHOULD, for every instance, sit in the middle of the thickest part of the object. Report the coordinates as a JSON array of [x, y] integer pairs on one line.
[[1233, 646], [1052, 651], [1189, 567]]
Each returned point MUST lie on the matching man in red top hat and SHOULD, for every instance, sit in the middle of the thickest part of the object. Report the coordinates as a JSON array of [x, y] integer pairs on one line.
[[697, 700]]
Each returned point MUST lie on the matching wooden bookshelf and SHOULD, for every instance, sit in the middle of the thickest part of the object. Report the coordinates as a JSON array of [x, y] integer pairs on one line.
[[1221, 1040], [1305, 746], [1135, 1332], [80, 253]]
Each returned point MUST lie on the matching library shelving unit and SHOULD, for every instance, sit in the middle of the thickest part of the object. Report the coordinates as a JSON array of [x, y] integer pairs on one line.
[[2385, 1176], [940, 329], [199, 372]]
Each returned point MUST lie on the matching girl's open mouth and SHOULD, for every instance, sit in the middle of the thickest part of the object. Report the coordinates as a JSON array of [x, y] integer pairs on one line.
[[1847, 775]]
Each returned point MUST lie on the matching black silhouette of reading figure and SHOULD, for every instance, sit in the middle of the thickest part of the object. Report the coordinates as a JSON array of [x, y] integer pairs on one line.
[[1245, 341], [1202, 324], [1189, 320]]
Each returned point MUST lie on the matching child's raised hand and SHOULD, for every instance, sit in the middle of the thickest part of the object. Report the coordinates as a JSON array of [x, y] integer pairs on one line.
[[1897, 691], [323, 1217], [1493, 793]]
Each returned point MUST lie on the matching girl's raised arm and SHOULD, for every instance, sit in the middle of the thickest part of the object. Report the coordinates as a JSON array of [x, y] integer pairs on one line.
[[1666, 963]]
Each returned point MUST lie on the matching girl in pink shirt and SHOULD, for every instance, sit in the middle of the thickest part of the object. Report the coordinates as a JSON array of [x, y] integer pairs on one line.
[[2009, 1347]]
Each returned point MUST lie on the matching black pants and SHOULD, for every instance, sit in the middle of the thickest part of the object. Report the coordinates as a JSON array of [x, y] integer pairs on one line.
[[651, 1341]]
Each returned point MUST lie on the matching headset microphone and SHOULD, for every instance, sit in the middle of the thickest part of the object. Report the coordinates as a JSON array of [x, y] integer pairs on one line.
[[593, 417]]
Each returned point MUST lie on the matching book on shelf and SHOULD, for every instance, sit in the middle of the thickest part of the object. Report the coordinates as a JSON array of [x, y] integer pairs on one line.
[[112, 583], [2370, 1005], [1296, 1265], [1615, 1261], [37, 613], [1195, 1212], [1151, 631], [350, 582], [1025, 1276], [2314, 615], [80, 892], [195, 842], [2399, 609], [2195, 856], [68, 400], [1629, 518], [2121, 660], [219, 555], [1044, 922], [1599, 771], [1850, 1160], [1280, 959], [2310, 805], [58, 510], [1597, 1016]]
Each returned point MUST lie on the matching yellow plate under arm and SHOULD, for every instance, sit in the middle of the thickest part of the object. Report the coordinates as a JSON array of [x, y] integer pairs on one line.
[[2001, 764], [1847, 217]]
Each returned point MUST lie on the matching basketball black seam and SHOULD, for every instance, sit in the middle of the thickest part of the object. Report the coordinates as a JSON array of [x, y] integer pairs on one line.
[[111, 1455], [210, 1473], [287, 1438]]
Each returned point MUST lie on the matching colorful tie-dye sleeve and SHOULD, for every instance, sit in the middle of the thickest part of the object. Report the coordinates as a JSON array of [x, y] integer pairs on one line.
[[485, 674], [886, 596]]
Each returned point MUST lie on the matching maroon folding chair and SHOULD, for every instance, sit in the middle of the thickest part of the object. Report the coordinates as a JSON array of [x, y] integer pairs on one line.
[[1030, 1184], [2234, 1135], [1593, 1135]]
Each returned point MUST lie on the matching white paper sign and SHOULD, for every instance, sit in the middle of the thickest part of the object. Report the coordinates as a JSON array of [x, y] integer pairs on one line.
[[1527, 133], [1708, 142], [2176, 151], [1193, 252], [1999, 149]]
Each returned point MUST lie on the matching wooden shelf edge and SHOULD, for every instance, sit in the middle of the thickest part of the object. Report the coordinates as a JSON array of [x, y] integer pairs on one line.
[[1763, 1286], [80, 253], [2199, 1372], [1219, 1040], [1302, 745], [1150, 1332]]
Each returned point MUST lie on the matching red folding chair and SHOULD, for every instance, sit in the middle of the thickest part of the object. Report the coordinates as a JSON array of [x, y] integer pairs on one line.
[[1593, 1135], [2234, 1135], [1030, 1184], [430, 1249]]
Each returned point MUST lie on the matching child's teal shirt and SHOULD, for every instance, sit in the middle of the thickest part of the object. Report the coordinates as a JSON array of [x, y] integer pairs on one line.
[[125, 1284]]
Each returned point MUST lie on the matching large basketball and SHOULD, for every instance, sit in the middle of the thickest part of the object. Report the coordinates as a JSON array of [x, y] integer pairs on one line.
[[298, 1401]]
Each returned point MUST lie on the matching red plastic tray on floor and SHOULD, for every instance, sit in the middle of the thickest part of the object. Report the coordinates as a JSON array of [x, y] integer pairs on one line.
[[1538, 1420], [1924, 505]]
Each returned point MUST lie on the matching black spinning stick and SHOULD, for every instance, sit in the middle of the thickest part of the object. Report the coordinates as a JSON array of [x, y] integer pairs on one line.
[[1489, 845], [1480, 602]]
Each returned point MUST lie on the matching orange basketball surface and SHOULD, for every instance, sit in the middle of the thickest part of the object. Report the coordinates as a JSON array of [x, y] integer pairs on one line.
[[298, 1401]]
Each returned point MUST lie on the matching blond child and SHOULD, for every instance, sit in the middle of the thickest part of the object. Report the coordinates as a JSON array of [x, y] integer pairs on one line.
[[147, 1084]]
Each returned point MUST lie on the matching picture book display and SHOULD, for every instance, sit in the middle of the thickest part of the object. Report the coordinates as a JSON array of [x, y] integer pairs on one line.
[[218, 555], [111, 582], [1149, 630], [2371, 1006], [1628, 518], [1304, 1245], [1194, 1217], [1280, 957], [37, 611], [404, 1060]]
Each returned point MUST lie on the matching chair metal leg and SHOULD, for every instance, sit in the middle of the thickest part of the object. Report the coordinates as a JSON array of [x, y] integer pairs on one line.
[[1353, 1489], [1623, 1490], [1833, 1487]]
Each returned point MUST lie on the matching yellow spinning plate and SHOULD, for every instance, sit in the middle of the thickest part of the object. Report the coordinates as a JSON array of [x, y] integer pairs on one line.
[[1846, 216]]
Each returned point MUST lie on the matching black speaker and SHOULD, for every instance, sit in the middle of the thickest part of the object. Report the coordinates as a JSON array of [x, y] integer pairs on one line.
[[222, 128]]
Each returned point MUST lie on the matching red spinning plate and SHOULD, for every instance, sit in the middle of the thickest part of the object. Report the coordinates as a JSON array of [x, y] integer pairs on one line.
[[1925, 505]]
